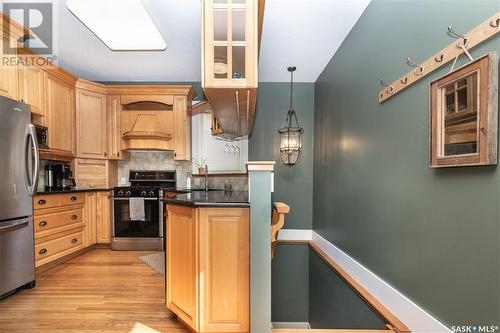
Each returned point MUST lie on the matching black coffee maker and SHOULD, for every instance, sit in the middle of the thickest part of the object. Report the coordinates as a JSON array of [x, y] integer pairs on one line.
[[62, 177]]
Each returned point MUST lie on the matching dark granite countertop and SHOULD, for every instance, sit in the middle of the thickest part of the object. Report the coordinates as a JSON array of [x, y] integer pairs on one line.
[[213, 198], [72, 190]]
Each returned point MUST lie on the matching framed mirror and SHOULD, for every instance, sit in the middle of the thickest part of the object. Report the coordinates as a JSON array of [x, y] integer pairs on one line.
[[464, 115]]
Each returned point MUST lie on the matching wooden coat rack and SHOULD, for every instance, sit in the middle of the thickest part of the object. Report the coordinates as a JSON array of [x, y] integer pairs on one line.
[[476, 36]]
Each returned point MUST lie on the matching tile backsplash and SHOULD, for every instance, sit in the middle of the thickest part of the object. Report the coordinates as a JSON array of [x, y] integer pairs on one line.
[[153, 160]]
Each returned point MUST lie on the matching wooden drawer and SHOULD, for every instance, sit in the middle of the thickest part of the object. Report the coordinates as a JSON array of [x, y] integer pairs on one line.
[[58, 219], [67, 241], [75, 198], [46, 201]]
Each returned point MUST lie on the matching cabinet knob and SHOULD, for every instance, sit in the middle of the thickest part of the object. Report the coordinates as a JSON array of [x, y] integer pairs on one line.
[[42, 223], [118, 154], [42, 251], [73, 198], [74, 240], [74, 217], [105, 154], [42, 202]]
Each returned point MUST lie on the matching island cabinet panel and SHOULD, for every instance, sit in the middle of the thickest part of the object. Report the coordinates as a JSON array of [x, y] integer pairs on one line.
[[61, 116], [208, 267], [182, 283], [224, 261], [91, 125]]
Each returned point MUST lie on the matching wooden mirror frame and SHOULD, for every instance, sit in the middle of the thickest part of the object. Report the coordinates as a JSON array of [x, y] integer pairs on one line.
[[487, 132]]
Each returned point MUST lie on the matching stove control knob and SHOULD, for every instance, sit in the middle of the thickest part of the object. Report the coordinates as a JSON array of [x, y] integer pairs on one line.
[[120, 193], [143, 193], [128, 193], [151, 193]]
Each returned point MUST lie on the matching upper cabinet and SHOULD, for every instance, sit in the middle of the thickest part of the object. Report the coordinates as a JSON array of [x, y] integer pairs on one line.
[[91, 120], [60, 106], [32, 88], [115, 141], [230, 40], [8, 74], [231, 36]]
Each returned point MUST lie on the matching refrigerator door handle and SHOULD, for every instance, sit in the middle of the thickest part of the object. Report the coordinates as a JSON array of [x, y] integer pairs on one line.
[[13, 225], [31, 137]]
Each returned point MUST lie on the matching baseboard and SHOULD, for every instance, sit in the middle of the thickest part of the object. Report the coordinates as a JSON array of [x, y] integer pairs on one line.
[[301, 325], [407, 311]]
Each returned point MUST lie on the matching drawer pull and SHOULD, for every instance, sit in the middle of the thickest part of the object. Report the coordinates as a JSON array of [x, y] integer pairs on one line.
[[74, 217], [42, 251], [74, 240], [42, 223], [42, 202], [73, 198]]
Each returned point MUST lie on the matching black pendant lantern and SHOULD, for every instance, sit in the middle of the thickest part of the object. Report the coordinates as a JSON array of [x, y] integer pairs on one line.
[[290, 136]]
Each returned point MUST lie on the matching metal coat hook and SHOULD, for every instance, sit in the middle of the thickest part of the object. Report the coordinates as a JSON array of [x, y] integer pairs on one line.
[[419, 70], [495, 23], [439, 59], [453, 34], [391, 88]]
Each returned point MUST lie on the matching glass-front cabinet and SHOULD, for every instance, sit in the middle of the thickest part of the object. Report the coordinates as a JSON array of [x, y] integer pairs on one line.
[[230, 38]]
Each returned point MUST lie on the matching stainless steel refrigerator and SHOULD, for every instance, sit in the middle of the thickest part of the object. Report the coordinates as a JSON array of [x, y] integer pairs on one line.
[[19, 161]]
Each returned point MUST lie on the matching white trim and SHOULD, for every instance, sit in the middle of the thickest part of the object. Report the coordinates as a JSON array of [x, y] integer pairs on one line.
[[301, 235], [412, 315], [291, 324]]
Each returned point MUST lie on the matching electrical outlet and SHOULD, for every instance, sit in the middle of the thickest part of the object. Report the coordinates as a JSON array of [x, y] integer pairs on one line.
[[123, 181], [197, 181]]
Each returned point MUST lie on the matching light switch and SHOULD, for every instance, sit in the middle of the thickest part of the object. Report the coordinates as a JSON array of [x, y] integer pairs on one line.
[[123, 181]]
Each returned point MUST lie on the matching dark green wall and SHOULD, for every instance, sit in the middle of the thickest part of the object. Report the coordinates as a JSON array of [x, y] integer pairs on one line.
[[290, 283], [292, 185], [333, 303], [432, 234]]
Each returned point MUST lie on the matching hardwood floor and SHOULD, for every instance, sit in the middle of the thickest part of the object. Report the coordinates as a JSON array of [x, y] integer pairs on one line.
[[100, 291]]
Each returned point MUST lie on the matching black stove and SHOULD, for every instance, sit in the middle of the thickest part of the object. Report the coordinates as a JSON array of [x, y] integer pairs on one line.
[[137, 211]]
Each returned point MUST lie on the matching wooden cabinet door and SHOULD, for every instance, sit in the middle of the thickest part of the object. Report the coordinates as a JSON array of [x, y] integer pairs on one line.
[[224, 261], [103, 218], [8, 76], [91, 125], [182, 129], [32, 88], [182, 286], [114, 127], [61, 115], [89, 217]]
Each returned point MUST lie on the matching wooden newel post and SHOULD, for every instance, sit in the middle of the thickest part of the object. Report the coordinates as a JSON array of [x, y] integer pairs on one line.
[[260, 186]]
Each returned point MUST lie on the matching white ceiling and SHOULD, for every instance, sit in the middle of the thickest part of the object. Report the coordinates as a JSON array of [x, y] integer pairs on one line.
[[305, 33]]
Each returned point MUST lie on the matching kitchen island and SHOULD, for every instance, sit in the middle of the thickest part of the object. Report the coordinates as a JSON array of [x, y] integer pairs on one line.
[[207, 266]]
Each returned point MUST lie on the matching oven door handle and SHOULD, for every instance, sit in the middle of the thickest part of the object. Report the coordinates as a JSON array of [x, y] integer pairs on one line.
[[123, 199]]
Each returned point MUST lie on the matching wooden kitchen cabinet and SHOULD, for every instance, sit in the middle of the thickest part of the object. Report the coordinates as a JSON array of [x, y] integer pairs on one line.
[[103, 217], [114, 129], [60, 101], [208, 267], [91, 120], [182, 259], [182, 129], [32, 88], [95, 174], [8, 76], [90, 216]]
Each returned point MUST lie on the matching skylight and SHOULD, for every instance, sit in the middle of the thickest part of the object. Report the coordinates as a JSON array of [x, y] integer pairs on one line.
[[122, 25]]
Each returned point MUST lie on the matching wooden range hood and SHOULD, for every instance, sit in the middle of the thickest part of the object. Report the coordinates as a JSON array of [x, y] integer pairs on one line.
[[230, 62], [146, 133]]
